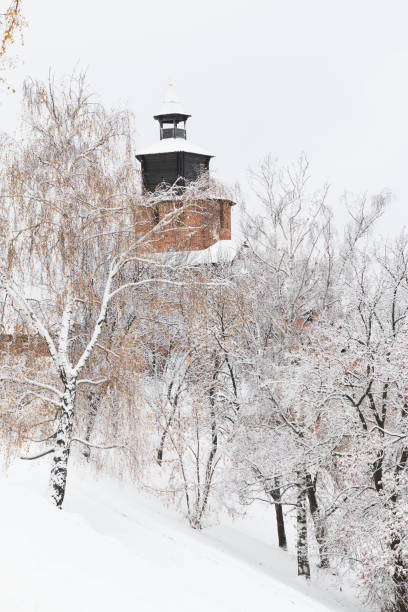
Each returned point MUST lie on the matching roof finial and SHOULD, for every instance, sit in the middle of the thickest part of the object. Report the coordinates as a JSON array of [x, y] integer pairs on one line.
[[171, 104]]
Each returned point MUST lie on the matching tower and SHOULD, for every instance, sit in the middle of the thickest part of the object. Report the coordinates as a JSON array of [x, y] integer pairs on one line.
[[175, 160]]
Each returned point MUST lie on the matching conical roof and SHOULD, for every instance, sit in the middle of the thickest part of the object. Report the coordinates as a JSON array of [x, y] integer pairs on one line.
[[171, 104]]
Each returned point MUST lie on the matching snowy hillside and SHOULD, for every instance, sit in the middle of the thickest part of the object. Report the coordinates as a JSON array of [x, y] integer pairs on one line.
[[112, 550]]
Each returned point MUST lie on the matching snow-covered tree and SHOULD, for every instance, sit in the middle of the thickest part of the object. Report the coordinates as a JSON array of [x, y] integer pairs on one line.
[[296, 271], [361, 366], [190, 390], [75, 226]]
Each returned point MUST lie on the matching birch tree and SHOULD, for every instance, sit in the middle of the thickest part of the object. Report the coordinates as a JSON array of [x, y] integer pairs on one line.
[[74, 227]]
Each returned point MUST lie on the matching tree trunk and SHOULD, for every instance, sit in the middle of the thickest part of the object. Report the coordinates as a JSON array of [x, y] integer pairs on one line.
[[318, 522], [160, 449], [280, 521], [378, 471], [210, 467], [302, 543], [209, 473], [63, 441], [94, 399]]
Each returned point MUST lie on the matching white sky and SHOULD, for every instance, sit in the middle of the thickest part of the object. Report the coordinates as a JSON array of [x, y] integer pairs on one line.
[[327, 77]]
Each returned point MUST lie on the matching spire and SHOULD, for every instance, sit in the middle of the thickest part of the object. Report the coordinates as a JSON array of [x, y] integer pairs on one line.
[[171, 105]]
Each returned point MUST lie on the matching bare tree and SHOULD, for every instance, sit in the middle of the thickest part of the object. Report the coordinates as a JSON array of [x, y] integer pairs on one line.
[[188, 395], [12, 21]]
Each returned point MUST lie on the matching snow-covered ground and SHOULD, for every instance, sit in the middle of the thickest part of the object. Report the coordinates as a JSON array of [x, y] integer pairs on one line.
[[112, 549]]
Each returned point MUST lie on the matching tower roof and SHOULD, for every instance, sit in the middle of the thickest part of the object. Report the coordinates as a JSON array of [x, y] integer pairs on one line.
[[172, 139], [170, 145], [171, 105]]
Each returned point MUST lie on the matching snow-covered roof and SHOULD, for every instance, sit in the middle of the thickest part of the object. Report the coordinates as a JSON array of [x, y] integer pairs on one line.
[[169, 145], [171, 104], [222, 251]]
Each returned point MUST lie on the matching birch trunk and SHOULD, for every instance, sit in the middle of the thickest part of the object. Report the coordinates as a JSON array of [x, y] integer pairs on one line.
[[302, 543], [63, 442]]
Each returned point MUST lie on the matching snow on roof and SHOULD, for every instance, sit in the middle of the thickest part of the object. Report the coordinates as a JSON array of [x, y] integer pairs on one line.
[[222, 251], [171, 104], [170, 145]]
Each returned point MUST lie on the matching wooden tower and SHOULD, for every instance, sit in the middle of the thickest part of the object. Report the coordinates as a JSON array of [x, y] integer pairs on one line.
[[175, 160]]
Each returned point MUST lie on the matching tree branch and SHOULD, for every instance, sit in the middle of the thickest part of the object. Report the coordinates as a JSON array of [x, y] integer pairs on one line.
[[47, 452], [85, 443]]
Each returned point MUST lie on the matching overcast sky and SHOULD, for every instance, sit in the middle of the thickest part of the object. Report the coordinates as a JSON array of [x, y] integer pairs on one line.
[[324, 77]]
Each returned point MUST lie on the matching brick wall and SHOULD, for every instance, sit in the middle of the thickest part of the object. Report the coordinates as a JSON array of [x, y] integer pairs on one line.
[[199, 227]]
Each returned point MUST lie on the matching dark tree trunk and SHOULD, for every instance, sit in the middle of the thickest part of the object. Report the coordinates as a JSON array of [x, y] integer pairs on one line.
[[159, 457], [275, 493], [302, 543], [280, 524], [318, 521], [378, 471]]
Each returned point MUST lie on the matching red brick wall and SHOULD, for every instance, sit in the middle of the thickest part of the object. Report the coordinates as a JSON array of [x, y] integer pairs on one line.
[[201, 226]]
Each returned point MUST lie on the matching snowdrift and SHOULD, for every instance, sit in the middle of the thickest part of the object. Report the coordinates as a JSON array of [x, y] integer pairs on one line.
[[113, 550]]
